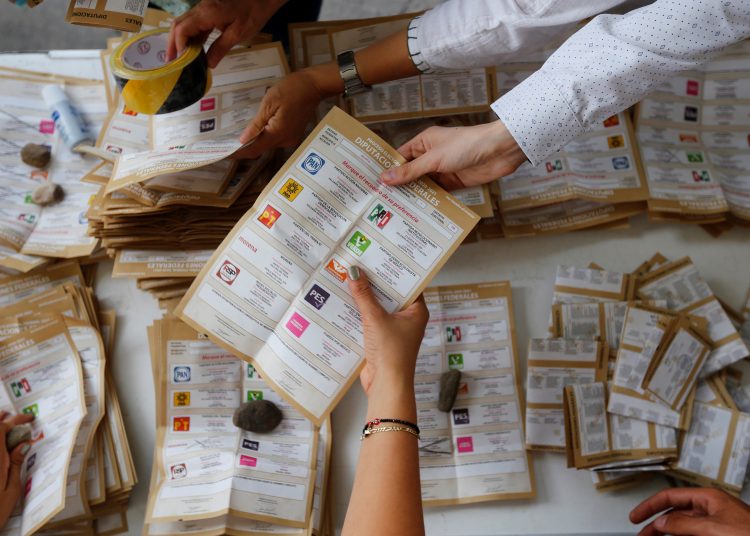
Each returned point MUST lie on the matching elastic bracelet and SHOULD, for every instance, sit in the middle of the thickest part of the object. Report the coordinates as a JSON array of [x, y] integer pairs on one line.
[[369, 431], [376, 422]]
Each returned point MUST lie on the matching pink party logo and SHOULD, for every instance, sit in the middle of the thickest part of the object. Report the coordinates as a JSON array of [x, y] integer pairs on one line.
[[465, 445], [248, 461], [297, 325]]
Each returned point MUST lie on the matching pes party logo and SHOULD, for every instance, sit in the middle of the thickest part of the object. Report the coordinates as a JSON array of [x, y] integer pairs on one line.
[[228, 272], [317, 297], [207, 125], [178, 471], [313, 163]]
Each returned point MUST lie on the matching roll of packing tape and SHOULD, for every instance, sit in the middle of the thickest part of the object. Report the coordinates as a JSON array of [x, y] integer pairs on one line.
[[149, 84]]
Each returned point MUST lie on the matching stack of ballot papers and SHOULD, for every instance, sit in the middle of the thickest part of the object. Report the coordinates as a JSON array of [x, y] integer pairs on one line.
[[693, 139], [210, 476], [643, 372], [54, 350]]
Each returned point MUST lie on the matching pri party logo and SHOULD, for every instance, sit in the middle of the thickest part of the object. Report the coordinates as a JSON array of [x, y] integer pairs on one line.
[[20, 387], [380, 216], [313, 163], [358, 243], [453, 334], [228, 272]]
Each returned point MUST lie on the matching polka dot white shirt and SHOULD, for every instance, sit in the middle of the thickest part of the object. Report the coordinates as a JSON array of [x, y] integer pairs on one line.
[[607, 66]]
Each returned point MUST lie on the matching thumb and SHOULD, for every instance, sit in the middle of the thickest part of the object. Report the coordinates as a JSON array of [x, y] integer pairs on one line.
[[363, 295], [16, 462], [256, 126], [410, 171]]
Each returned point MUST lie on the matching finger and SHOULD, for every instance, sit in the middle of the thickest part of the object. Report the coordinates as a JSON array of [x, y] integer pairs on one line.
[[257, 125], [219, 48], [359, 286], [411, 171], [679, 524], [686, 498], [186, 29], [413, 148], [418, 310], [449, 181], [20, 418]]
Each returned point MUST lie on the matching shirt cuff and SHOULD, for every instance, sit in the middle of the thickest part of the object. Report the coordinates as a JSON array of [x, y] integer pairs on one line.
[[413, 42], [538, 117]]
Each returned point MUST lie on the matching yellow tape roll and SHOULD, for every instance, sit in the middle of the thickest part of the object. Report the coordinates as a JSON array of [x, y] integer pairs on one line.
[[148, 84]]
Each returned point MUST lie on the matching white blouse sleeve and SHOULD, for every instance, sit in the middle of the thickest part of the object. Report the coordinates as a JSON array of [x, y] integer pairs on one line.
[[612, 63], [477, 33]]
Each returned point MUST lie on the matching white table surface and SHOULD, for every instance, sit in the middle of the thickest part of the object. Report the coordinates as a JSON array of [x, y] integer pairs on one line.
[[567, 502]]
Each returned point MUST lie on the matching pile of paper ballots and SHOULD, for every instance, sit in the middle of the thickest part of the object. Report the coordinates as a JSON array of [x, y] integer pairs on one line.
[[209, 476], [54, 351], [642, 373]]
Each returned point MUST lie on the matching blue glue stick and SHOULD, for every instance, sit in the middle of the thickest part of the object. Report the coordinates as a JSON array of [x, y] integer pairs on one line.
[[68, 122]]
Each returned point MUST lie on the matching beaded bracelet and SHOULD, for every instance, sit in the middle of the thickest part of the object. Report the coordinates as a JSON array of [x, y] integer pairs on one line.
[[376, 422], [369, 431]]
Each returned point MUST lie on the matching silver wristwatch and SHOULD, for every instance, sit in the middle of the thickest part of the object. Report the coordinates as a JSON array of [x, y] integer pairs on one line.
[[353, 84]]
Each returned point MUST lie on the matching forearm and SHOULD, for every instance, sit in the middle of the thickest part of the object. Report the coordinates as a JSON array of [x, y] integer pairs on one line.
[[386, 60], [613, 63], [386, 498]]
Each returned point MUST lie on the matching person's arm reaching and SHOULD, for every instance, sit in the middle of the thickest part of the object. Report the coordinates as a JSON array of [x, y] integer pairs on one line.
[[238, 20], [693, 512], [387, 498], [455, 34], [609, 65], [10, 465]]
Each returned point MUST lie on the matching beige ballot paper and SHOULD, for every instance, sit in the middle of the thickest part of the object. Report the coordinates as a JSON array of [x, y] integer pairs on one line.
[[596, 439], [716, 449], [276, 291], [552, 365], [475, 452], [424, 95], [208, 131], [124, 15], [642, 334], [42, 375], [159, 263], [686, 292], [207, 466]]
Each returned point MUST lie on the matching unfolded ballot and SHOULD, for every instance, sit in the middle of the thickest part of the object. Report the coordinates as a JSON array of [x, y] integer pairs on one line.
[[475, 452], [276, 291]]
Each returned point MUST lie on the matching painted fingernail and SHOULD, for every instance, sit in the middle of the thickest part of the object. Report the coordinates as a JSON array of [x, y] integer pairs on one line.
[[25, 449], [354, 273]]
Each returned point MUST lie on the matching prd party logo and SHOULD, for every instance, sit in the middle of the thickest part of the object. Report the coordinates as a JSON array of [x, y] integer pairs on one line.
[[291, 189], [228, 272], [269, 216], [20, 387], [181, 398], [615, 142], [358, 243], [453, 334], [313, 163], [178, 471], [380, 216]]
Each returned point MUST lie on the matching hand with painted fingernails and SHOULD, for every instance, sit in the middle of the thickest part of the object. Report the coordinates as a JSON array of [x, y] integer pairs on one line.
[[693, 512], [11, 464], [238, 20], [391, 340], [458, 157]]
